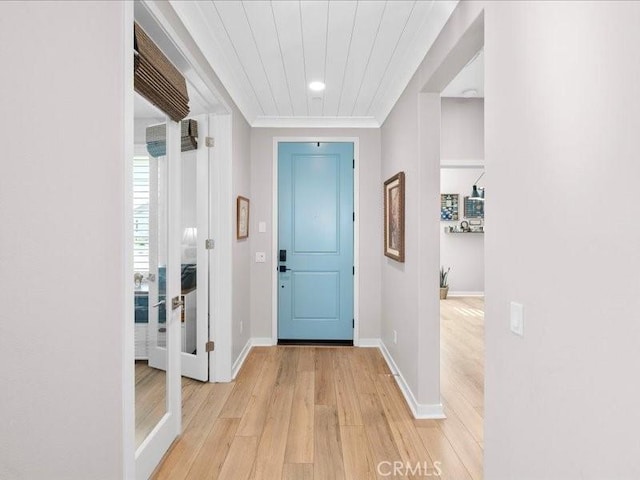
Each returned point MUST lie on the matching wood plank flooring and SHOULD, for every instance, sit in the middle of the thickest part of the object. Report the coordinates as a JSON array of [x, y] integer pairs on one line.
[[315, 413], [150, 399]]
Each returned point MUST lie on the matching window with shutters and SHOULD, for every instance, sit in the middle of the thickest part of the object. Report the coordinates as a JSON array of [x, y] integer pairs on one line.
[[141, 214]]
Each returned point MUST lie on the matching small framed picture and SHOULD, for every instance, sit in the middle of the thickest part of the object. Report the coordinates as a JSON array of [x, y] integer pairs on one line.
[[473, 208], [449, 207], [242, 220], [394, 217]]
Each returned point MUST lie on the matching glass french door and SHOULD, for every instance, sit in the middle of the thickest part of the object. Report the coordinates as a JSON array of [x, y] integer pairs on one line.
[[158, 393], [194, 261]]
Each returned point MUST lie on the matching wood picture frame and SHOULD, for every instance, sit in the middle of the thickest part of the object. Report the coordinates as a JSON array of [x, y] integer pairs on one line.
[[394, 217], [242, 217]]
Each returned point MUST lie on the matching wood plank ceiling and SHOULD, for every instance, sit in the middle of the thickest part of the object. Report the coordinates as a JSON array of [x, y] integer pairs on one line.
[[267, 52]]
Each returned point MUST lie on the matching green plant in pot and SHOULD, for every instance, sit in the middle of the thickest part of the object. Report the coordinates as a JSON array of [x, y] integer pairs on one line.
[[444, 282]]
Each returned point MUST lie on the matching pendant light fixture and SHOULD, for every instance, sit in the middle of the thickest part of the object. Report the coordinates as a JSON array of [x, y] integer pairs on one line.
[[477, 193]]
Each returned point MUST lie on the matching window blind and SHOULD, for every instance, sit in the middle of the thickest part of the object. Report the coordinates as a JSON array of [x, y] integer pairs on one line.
[[141, 214], [156, 138]]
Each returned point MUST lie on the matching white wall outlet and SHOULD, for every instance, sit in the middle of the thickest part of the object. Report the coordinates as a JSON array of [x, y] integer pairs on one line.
[[261, 257], [517, 318], [395, 337], [262, 227]]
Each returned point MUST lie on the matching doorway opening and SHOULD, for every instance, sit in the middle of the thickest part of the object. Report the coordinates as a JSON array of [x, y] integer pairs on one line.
[[462, 231]]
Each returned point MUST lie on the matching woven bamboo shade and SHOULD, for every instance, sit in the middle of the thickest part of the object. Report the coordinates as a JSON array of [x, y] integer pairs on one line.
[[156, 79], [156, 137]]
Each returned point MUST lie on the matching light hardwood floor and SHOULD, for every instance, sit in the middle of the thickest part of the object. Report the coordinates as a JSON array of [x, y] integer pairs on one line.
[[150, 399], [299, 413]]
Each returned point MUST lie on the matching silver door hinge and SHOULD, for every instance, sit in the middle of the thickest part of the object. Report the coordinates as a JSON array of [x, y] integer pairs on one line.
[[176, 302], [209, 244], [209, 142], [210, 346]]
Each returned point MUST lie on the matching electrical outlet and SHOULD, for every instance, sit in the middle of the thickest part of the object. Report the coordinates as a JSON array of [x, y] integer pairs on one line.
[[261, 257], [395, 337], [517, 318]]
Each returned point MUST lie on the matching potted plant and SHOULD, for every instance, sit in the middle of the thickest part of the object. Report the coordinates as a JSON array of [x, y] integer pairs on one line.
[[444, 282]]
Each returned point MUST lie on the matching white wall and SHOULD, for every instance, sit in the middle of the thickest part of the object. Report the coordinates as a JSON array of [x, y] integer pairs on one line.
[[462, 129], [462, 143], [242, 281], [62, 230], [370, 224], [409, 307], [562, 120], [561, 402], [463, 252]]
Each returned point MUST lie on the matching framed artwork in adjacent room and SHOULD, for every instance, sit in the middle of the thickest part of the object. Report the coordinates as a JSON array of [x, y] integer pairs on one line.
[[449, 209], [394, 217], [473, 208]]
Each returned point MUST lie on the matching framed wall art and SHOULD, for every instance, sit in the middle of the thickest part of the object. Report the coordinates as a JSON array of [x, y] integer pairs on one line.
[[473, 208], [242, 219], [394, 217], [449, 207]]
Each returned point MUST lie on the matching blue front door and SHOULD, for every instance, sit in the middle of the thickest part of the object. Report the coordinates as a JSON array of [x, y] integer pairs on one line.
[[315, 241]]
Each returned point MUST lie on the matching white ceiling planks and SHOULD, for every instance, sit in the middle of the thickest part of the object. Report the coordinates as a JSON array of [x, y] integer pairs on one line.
[[403, 55], [391, 30], [365, 33], [201, 19], [313, 17], [287, 18], [427, 20], [267, 52], [236, 26], [265, 35], [341, 18]]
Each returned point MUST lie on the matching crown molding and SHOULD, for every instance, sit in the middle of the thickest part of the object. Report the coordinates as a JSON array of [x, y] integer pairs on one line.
[[315, 122]]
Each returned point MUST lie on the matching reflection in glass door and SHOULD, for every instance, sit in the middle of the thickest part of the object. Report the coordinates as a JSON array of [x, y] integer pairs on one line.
[[157, 283], [150, 254], [194, 255]]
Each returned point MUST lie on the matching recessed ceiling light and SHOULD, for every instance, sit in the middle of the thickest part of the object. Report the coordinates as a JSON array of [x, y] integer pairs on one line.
[[316, 86]]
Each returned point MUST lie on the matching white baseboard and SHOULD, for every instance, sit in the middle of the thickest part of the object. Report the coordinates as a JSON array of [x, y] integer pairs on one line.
[[252, 342], [237, 365], [369, 343], [466, 294], [262, 342], [419, 410]]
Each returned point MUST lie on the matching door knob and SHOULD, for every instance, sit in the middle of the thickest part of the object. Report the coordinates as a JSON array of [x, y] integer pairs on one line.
[[283, 268], [156, 305]]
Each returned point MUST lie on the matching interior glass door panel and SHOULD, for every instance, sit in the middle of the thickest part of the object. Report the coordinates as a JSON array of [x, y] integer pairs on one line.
[[150, 255]]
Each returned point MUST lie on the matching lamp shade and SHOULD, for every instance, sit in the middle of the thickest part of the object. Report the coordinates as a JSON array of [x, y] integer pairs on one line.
[[190, 236]]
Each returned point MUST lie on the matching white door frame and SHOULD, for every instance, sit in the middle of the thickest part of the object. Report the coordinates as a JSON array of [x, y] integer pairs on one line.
[[356, 230]]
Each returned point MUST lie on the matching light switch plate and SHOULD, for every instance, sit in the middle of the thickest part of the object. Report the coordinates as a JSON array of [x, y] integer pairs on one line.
[[262, 227], [517, 318], [261, 257]]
